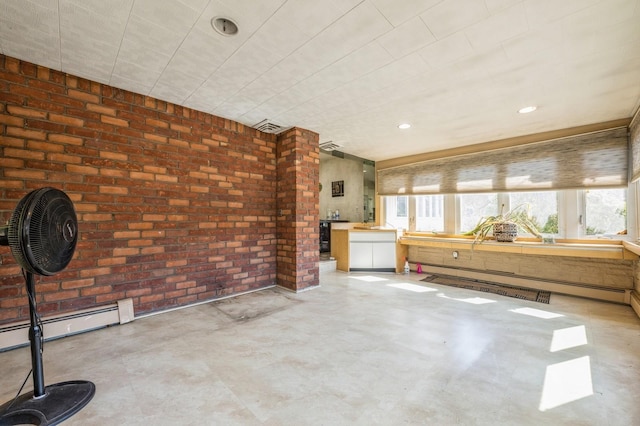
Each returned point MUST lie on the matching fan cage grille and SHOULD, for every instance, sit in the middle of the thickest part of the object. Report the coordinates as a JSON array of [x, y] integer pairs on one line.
[[43, 231], [13, 233]]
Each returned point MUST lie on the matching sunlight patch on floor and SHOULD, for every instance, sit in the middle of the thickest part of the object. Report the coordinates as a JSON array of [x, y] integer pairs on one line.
[[538, 313], [368, 278], [412, 287], [566, 338], [565, 382], [472, 300]]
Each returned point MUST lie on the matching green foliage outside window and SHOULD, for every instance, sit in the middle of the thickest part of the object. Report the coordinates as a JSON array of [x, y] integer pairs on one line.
[[551, 226]]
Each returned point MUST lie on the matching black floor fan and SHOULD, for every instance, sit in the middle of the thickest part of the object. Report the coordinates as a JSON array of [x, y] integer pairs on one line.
[[42, 234]]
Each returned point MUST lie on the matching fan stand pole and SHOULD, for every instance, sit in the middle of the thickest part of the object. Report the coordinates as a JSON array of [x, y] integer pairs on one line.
[[35, 337], [45, 405]]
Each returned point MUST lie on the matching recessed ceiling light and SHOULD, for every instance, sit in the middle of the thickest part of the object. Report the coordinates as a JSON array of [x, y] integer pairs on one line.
[[527, 110], [404, 126], [224, 26]]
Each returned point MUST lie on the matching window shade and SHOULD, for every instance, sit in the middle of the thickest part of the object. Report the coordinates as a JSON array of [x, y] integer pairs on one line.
[[594, 160], [634, 144]]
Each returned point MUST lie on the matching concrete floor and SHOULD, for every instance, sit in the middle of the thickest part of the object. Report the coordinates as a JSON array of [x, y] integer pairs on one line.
[[361, 349]]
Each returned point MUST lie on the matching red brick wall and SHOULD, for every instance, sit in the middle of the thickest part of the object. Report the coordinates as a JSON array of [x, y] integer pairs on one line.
[[298, 159], [174, 205]]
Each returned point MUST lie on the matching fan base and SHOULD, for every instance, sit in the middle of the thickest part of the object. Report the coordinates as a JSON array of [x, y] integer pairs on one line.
[[59, 402]]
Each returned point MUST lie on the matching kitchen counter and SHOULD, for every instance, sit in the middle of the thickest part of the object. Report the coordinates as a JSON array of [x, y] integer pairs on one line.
[[366, 250]]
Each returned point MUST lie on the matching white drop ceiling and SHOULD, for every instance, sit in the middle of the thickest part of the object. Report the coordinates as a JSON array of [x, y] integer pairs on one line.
[[352, 70]]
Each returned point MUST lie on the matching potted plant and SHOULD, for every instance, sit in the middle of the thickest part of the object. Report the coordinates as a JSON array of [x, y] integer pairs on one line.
[[505, 226]]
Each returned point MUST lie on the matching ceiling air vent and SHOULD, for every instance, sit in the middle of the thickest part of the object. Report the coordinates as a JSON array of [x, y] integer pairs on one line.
[[268, 127], [329, 146]]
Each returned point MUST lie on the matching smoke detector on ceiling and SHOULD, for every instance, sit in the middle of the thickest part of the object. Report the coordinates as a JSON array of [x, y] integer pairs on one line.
[[224, 26], [329, 146]]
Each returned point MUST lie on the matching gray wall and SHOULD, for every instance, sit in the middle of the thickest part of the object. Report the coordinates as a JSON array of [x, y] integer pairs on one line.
[[347, 170]]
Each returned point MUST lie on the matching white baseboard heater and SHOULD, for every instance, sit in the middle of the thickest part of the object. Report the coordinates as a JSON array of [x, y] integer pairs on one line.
[[54, 327]]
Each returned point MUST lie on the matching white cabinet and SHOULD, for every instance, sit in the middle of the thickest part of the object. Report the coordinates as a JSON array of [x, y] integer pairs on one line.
[[372, 251], [360, 255], [384, 256]]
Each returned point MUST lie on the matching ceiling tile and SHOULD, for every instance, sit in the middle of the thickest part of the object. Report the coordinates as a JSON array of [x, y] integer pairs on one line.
[[539, 42], [541, 12], [142, 34], [223, 86], [241, 104], [357, 28], [364, 61], [37, 16], [112, 10], [361, 62], [135, 71], [245, 65], [136, 83], [502, 26], [29, 30], [407, 38], [447, 51], [278, 37], [345, 99], [406, 71], [588, 31], [625, 35], [175, 86], [251, 96], [520, 75], [451, 16], [37, 48], [92, 68], [79, 23], [483, 64], [89, 50], [282, 76], [398, 12], [311, 16], [142, 56], [169, 14], [393, 73], [197, 5], [495, 6], [344, 6], [275, 107], [605, 14], [209, 96], [327, 48], [199, 66], [52, 5]]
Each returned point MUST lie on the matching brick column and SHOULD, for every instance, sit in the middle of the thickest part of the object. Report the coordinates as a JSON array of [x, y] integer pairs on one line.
[[297, 213]]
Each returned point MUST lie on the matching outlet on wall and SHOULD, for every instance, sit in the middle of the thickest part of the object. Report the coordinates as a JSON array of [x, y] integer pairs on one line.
[[455, 255]]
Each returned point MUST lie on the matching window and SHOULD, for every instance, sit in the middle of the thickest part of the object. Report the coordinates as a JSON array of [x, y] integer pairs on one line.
[[566, 214], [402, 207], [605, 212], [474, 207], [396, 212], [543, 208], [430, 213]]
